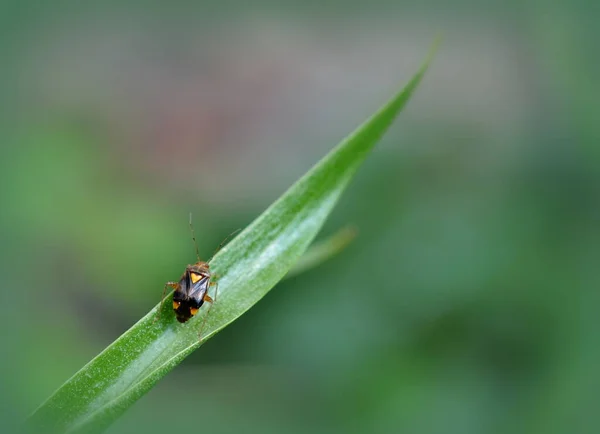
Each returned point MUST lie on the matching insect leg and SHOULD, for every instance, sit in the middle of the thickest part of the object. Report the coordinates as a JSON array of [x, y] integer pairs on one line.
[[215, 284], [211, 301], [172, 285]]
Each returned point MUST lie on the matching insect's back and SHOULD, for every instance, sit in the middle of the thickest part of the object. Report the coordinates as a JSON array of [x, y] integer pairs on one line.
[[189, 297]]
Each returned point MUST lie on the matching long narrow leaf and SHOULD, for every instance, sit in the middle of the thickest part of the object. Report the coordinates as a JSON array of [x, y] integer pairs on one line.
[[323, 250], [248, 267]]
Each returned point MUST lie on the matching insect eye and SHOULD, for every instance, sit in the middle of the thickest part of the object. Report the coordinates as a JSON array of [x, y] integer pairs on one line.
[[176, 305], [193, 311]]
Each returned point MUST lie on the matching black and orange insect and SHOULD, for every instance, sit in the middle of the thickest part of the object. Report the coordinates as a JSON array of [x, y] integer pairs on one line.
[[191, 291]]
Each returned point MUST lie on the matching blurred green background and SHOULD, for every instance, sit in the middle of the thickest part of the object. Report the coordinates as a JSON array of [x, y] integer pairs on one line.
[[467, 304]]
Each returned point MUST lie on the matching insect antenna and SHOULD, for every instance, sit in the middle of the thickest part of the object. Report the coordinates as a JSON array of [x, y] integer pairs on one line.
[[194, 238], [223, 243]]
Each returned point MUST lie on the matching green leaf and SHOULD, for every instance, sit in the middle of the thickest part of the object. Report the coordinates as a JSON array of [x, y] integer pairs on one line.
[[321, 251], [247, 268]]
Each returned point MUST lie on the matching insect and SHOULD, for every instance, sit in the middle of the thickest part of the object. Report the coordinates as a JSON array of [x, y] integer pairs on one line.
[[191, 291]]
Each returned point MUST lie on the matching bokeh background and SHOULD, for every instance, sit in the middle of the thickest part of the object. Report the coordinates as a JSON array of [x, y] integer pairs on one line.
[[467, 304]]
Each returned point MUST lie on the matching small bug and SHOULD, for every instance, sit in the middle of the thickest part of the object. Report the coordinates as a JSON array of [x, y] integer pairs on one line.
[[191, 291]]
